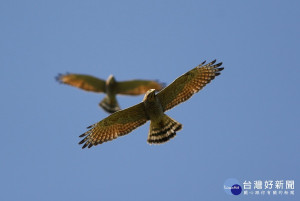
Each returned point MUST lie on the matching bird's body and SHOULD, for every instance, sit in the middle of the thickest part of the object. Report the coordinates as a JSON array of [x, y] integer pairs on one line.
[[109, 102], [110, 87], [162, 127], [153, 107]]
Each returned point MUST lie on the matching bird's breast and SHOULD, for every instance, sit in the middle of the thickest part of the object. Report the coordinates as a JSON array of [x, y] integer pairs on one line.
[[110, 89], [154, 109]]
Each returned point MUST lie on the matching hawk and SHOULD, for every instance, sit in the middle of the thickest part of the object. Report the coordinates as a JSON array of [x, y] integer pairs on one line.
[[162, 127], [111, 87]]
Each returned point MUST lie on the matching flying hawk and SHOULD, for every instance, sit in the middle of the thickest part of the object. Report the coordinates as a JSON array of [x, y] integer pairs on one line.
[[153, 106], [110, 87]]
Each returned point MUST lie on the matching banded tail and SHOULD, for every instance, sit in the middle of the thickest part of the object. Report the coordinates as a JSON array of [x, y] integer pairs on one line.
[[110, 105], [163, 131]]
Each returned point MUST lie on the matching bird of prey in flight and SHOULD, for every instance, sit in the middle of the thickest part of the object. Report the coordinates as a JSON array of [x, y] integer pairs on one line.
[[110, 87], [153, 106]]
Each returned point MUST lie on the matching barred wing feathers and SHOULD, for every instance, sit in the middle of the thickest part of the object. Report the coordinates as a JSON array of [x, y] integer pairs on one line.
[[118, 124], [188, 84]]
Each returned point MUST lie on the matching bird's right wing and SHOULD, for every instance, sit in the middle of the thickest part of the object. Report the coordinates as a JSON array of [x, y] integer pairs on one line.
[[189, 83], [137, 87], [118, 124], [85, 82]]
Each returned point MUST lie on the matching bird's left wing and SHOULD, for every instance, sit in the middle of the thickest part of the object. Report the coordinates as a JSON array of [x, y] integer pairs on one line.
[[189, 83], [137, 87], [117, 124], [85, 82]]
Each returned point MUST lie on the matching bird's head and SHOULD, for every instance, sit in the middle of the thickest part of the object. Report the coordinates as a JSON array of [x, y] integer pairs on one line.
[[150, 95], [110, 80]]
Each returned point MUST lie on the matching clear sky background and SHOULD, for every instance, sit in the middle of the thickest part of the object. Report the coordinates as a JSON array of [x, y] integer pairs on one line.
[[243, 125]]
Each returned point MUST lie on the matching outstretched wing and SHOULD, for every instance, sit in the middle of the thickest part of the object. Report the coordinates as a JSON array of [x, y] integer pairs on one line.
[[137, 87], [85, 82], [189, 83], [117, 124]]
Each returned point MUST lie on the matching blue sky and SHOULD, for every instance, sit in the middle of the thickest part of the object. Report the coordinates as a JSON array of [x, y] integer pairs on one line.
[[243, 125]]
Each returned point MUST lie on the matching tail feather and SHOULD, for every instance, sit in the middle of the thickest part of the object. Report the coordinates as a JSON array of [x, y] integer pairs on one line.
[[163, 131], [110, 105]]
